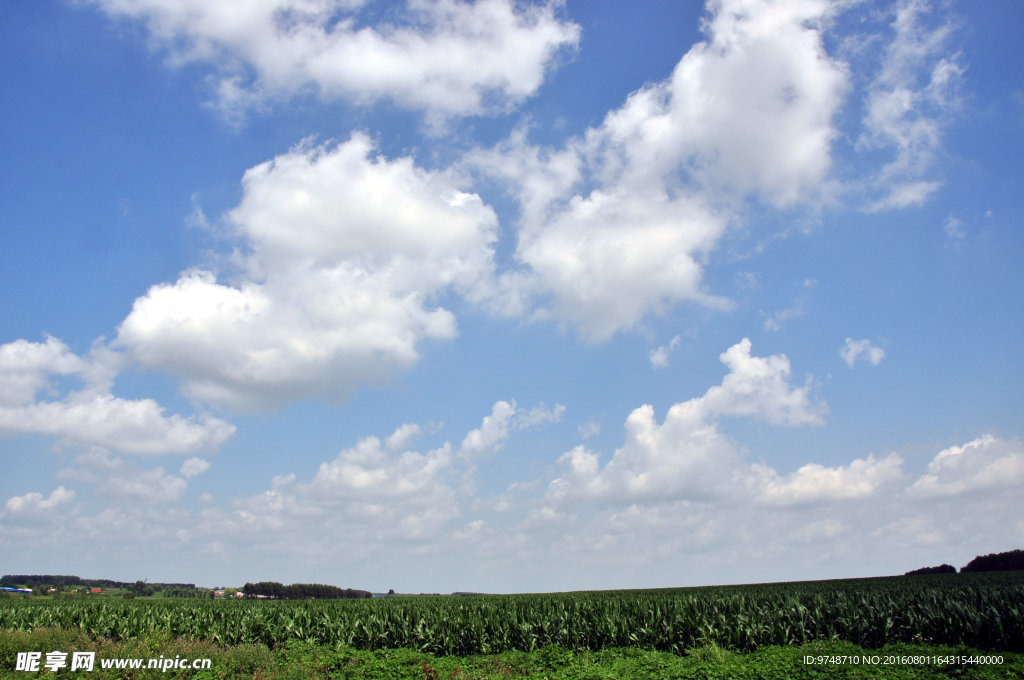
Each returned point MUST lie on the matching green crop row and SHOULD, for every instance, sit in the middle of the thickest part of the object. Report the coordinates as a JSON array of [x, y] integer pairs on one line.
[[980, 611]]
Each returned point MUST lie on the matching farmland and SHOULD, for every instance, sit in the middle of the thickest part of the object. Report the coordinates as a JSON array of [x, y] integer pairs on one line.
[[958, 611]]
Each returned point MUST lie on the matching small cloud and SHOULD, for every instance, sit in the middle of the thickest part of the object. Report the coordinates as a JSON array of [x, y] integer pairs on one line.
[[538, 415], [32, 504], [505, 417], [954, 227], [194, 466], [492, 433], [856, 348], [775, 321], [659, 357], [795, 310], [905, 195], [197, 218], [589, 429], [747, 281]]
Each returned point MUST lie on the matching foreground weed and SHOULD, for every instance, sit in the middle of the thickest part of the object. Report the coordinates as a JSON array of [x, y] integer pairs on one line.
[[431, 674], [299, 660]]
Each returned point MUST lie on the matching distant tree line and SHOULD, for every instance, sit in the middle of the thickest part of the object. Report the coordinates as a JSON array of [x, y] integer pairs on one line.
[[941, 569], [1007, 561], [65, 581], [297, 591], [301, 591], [1004, 561], [12, 580]]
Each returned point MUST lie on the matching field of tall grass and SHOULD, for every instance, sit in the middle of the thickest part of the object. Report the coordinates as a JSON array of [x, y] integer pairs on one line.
[[937, 615]]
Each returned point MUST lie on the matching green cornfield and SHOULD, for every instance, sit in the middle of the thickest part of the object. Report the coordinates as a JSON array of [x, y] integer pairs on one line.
[[981, 611]]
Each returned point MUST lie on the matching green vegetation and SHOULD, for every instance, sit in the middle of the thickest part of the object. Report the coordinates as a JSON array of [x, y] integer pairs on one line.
[[1005, 561], [983, 611], [1012, 560], [941, 569], [298, 660], [302, 591], [65, 586], [754, 631]]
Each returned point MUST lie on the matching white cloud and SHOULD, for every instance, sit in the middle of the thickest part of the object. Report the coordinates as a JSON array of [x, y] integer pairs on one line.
[[126, 481], [767, 58], [33, 504], [538, 415], [815, 483], [605, 276], [194, 466], [381, 494], [909, 103], [983, 465], [145, 486], [676, 493], [397, 440], [375, 473], [825, 520], [445, 57], [758, 387], [617, 224], [505, 416], [345, 253], [492, 433], [905, 194], [132, 426], [954, 227], [487, 440], [373, 498], [659, 357], [775, 321], [25, 368], [92, 416], [853, 349], [368, 499], [589, 429], [686, 457]]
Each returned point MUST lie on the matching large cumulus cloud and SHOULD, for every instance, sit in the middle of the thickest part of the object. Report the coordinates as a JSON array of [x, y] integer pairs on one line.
[[445, 57], [343, 256]]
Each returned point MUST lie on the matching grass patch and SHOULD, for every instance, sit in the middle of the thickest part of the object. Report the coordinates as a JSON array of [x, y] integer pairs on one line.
[[298, 660]]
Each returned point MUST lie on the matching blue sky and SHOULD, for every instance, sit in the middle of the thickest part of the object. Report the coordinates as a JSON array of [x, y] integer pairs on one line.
[[509, 297]]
